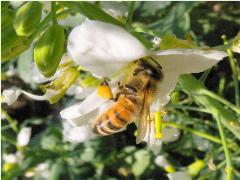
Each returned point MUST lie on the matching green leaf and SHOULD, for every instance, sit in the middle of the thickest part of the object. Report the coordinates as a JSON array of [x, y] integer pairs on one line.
[[142, 160], [57, 169], [194, 87], [176, 21], [92, 12]]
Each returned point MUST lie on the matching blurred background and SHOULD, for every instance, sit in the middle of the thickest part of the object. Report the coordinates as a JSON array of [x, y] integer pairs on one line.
[[48, 154]]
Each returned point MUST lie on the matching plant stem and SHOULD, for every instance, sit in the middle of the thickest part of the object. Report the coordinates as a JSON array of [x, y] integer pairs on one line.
[[11, 121], [229, 168], [190, 108], [205, 75], [130, 13], [222, 100], [235, 76], [53, 12], [234, 70], [198, 133], [45, 22]]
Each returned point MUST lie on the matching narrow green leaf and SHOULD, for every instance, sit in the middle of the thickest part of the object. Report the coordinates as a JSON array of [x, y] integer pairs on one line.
[[194, 87]]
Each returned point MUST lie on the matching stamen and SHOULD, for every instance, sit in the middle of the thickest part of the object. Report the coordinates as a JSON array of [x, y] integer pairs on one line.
[[158, 125], [169, 168]]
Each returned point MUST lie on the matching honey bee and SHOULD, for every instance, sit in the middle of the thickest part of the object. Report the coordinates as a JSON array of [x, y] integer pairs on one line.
[[132, 100]]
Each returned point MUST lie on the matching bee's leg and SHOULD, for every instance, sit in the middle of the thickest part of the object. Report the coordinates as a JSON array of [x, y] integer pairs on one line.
[[117, 96]]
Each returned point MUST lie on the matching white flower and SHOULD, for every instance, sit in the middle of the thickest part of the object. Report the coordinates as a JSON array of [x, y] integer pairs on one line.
[[10, 158], [17, 157], [10, 95], [42, 170], [105, 49], [24, 136], [161, 161], [179, 175]]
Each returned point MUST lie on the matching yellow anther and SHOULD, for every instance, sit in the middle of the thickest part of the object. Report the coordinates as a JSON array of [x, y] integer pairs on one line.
[[169, 168], [8, 166], [104, 91], [194, 168], [158, 125]]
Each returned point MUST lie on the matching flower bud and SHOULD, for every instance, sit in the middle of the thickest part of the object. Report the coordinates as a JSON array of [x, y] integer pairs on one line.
[[11, 44], [17, 47], [49, 50], [27, 18]]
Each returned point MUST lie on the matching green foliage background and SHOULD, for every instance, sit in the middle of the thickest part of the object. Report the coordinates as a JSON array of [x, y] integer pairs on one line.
[[194, 106]]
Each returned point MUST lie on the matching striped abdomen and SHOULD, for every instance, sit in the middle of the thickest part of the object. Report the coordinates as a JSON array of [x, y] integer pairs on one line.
[[117, 116]]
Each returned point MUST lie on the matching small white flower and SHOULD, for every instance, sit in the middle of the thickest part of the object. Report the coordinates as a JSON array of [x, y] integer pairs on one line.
[[104, 49], [12, 94], [43, 170], [161, 161], [179, 175], [17, 157], [10, 158], [24, 136]]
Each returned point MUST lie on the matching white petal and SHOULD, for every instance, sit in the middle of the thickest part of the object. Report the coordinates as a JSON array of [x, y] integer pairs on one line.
[[179, 175], [82, 113], [77, 134], [43, 170], [79, 92], [150, 138], [10, 158], [85, 112], [103, 48], [49, 94], [181, 61], [23, 137], [161, 161], [11, 95], [185, 61]]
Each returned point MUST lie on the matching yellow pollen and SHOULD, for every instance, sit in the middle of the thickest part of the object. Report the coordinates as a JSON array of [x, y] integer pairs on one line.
[[104, 91]]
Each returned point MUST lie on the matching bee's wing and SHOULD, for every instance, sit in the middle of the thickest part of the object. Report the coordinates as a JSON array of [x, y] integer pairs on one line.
[[142, 124]]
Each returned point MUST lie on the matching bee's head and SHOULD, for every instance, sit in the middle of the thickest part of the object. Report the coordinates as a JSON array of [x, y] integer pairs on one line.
[[152, 70]]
